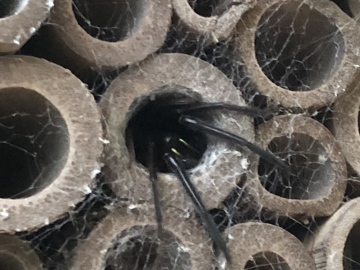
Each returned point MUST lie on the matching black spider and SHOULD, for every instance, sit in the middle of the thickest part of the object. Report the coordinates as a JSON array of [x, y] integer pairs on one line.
[[166, 134]]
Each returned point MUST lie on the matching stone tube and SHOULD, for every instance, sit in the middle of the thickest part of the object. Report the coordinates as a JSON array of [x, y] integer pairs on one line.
[[109, 34], [300, 54], [346, 128], [48, 120], [255, 245], [17, 255], [316, 184], [128, 239], [19, 20], [173, 76], [335, 244], [211, 21]]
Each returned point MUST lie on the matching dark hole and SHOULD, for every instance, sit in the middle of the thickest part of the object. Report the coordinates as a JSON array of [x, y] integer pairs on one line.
[[221, 218], [109, 20], [10, 7], [311, 170], [208, 8], [351, 258], [34, 143], [297, 47], [156, 121], [267, 261], [140, 248]]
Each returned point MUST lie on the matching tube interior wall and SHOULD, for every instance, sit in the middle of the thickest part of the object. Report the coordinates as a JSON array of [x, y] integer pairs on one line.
[[351, 256], [109, 20], [9, 262], [139, 248], [10, 7], [267, 261], [310, 168], [297, 47], [34, 143]]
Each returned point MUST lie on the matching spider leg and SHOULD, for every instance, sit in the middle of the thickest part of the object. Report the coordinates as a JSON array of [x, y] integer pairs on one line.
[[176, 167], [199, 125], [155, 188], [204, 106]]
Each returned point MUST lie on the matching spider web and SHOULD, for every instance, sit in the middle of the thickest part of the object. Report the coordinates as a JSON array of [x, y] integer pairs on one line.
[[296, 49]]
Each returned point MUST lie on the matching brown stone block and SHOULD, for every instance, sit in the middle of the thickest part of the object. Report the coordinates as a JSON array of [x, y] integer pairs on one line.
[[299, 54], [316, 183], [50, 142], [19, 20], [175, 75], [128, 238]]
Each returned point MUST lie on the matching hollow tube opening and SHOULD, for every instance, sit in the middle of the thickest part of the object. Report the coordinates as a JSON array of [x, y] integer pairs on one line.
[[267, 261], [9, 262], [208, 8], [34, 143], [109, 20], [297, 47], [154, 119], [10, 7], [140, 248], [351, 254], [311, 173]]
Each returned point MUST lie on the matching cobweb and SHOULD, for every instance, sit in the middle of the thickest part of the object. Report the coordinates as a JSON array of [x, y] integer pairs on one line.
[[293, 62]]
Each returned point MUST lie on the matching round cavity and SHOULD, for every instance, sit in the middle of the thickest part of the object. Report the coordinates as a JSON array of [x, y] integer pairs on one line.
[[156, 120], [208, 8], [34, 143], [140, 248], [311, 173], [351, 254], [109, 20], [297, 47], [267, 261], [9, 262], [10, 7]]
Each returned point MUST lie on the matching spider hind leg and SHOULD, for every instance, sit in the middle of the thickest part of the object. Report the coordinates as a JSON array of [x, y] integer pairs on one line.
[[176, 166]]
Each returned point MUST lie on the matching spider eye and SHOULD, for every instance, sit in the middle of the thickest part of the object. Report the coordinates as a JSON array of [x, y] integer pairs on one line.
[[157, 120]]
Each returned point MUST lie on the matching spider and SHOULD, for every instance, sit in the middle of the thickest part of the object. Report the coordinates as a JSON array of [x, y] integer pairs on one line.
[[170, 133]]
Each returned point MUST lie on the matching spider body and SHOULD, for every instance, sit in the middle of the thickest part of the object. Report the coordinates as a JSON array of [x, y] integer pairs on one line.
[[170, 134]]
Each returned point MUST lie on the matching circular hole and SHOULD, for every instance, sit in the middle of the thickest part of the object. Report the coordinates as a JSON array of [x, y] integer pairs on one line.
[[266, 261], [11, 7], [34, 143], [208, 8], [351, 258], [311, 171], [109, 20], [139, 247], [154, 120], [9, 262], [297, 47]]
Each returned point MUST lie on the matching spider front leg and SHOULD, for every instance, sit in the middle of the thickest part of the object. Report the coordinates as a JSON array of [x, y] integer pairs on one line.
[[176, 166], [200, 125], [211, 106]]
